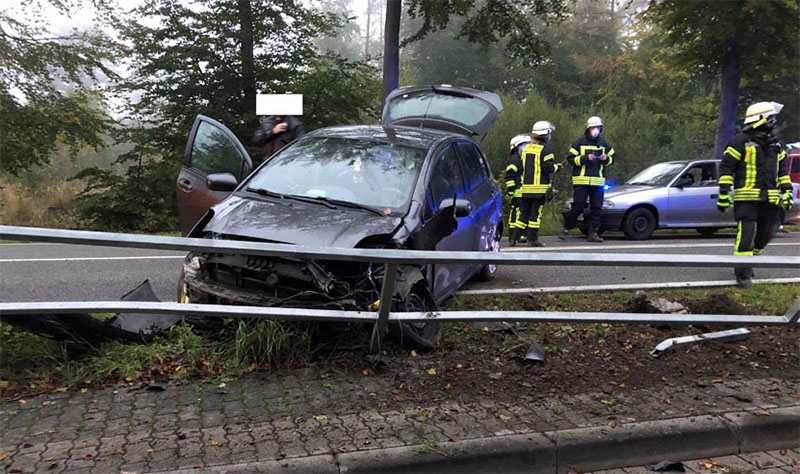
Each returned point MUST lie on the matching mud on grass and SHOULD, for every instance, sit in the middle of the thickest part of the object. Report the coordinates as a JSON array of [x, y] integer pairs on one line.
[[475, 363]]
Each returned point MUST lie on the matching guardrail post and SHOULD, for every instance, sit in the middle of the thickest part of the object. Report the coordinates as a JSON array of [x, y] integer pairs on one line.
[[793, 314], [387, 291]]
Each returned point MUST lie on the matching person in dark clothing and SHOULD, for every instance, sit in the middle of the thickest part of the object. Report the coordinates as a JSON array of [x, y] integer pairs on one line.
[[755, 165], [276, 131], [513, 177], [589, 156], [536, 164]]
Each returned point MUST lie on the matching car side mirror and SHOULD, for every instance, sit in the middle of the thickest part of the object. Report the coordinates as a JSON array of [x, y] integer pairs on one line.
[[462, 207], [221, 182], [684, 181]]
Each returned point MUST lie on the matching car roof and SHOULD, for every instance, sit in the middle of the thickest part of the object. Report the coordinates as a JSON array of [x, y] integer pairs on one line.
[[409, 136], [686, 162]]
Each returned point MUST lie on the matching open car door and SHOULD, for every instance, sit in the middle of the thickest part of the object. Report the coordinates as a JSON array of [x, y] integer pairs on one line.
[[213, 153], [442, 107]]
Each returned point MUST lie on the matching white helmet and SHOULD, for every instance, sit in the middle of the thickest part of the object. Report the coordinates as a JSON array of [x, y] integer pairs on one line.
[[594, 122], [519, 140], [543, 127], [761, 110]]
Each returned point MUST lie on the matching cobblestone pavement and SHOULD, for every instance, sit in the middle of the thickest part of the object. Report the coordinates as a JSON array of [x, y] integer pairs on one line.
[[769, 462], [307, 412]]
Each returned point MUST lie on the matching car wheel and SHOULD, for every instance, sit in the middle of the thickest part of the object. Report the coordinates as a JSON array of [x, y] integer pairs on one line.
[[707, 231], [639, 224], [488, 272], [417, 335]]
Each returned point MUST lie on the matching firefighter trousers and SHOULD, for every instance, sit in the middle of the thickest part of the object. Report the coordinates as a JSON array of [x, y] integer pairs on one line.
[[581, 193], [757, 223], [531, 214], [514, 221]]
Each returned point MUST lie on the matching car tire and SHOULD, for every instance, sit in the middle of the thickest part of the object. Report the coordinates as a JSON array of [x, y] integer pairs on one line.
[[707, 231], [418, 335], [488, 272], [639, 224]]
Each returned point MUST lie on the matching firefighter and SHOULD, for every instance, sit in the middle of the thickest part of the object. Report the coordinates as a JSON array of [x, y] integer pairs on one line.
[[755, 165], [590, 155], [537, 164], [516, 227]]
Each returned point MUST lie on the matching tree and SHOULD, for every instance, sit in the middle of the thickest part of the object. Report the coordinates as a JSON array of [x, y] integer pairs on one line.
[[486, 22], [48, 85], [736, 40], [211, 57]]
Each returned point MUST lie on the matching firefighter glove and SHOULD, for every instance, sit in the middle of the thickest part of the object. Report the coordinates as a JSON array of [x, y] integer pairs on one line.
[[786, 200], [724, 202]]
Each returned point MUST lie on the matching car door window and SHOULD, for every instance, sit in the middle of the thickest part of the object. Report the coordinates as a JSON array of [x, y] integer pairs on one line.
[[214, 152], [474, 167], [447, 180], [701, 175]]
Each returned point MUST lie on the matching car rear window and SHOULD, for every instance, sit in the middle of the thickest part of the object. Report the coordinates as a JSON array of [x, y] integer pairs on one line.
[[467, 110]]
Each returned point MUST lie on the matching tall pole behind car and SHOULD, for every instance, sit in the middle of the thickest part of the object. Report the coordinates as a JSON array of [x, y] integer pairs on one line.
[[391, 46]]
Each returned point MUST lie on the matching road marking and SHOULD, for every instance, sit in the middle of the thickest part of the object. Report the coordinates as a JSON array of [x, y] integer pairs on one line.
[[90, 259], [633, 246], [628, 286]]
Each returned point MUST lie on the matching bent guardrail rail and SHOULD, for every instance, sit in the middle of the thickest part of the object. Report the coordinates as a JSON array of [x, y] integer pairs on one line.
[[392, 258]]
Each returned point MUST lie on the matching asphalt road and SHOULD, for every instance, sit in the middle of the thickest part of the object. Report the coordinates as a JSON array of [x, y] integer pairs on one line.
[[57, 272]]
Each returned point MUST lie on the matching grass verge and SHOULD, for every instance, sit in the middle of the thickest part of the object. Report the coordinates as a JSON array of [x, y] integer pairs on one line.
[[31, 364]]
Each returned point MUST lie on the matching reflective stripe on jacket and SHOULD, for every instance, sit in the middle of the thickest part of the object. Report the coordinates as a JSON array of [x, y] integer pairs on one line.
[[755, 166], [585, 171]]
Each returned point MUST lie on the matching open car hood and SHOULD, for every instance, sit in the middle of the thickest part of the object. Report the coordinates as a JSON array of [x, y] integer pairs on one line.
[[310, 225], [442, 107]]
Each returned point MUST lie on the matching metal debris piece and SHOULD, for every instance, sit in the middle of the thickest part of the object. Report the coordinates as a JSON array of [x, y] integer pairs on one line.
[[140, 323], [535, 353], [666, 466], [728, 335], [644, 303]]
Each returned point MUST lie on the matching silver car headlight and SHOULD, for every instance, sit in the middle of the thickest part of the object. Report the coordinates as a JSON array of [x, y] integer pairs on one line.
[[608, 204]]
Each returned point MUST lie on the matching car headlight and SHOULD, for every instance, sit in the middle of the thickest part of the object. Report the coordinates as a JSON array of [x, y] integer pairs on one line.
[[608, 204]]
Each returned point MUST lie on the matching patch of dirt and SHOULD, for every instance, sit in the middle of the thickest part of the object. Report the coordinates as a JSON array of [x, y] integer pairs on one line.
[[718, 303]]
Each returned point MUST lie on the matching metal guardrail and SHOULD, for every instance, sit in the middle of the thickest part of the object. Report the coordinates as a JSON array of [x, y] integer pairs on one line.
[[392, 258]]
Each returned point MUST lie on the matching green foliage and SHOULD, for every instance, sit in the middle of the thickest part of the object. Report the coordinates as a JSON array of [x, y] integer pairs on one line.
[[43, 99], [490, 21], [191, 61], [761, 34], [266, 343]]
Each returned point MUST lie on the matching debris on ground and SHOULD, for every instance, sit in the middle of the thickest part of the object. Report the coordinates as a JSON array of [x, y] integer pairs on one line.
[[535, 353], [666, 466], [645, 303]]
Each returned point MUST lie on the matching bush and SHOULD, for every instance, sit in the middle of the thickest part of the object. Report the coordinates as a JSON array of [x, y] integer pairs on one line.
[[47, 206]]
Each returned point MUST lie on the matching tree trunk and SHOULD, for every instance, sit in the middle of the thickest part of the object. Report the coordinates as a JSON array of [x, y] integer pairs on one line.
[[391, 46], [729, 102], [248, 65]]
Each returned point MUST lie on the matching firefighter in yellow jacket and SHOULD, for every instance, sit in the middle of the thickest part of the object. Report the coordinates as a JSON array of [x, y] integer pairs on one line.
[[536, 164], [754, 164], [514, 187]]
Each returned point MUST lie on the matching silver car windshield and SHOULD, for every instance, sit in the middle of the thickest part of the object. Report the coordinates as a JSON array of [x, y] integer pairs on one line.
[[657, 175], [373, 174]]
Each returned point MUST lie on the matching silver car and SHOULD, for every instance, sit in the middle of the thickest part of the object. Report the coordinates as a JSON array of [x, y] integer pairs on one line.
[[671, 195]]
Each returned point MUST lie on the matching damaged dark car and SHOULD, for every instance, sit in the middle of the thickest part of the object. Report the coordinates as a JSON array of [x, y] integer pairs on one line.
[[417, 181]]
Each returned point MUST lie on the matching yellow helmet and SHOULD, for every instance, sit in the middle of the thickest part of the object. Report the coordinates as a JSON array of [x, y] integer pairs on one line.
[[761, 110]]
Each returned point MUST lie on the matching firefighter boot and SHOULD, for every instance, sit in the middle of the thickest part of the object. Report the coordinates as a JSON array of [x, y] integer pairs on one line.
[[513, 237], [593, 237], [744, 276], [533, 238]]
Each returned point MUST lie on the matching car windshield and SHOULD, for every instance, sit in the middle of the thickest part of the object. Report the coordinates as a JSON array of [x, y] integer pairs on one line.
[[368, 173], [658, 175]]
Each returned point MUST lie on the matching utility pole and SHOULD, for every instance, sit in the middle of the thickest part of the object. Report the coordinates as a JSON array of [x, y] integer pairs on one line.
[[369, 20]]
